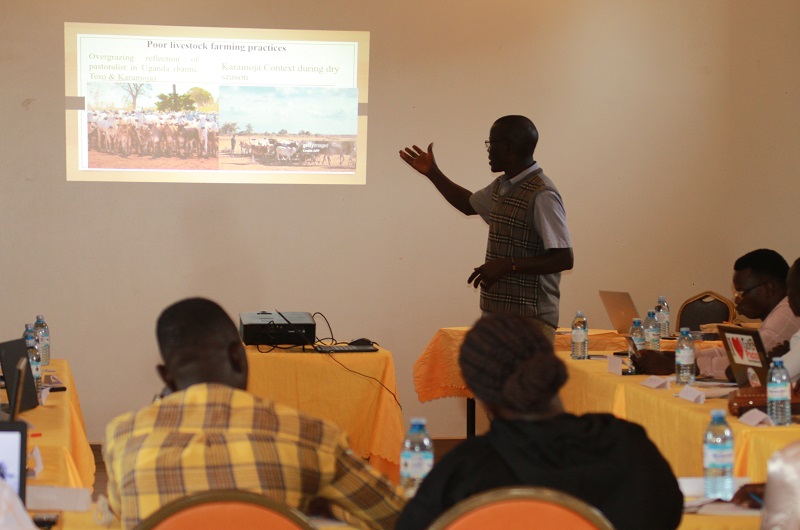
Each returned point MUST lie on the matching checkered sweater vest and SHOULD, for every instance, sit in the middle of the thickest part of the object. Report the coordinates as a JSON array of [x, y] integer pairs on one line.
[[528, 295]]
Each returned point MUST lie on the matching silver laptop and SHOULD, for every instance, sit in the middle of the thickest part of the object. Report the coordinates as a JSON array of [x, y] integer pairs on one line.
[[620, 309]]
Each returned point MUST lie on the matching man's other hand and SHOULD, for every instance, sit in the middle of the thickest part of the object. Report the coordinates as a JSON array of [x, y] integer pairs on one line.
[[779, 351], [744, 495], [488, 273], [652, 362]]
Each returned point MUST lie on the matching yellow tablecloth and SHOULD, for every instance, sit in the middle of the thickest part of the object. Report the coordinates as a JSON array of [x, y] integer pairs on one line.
[[437, 375], [675, 425], [354, 390], [57, 428]]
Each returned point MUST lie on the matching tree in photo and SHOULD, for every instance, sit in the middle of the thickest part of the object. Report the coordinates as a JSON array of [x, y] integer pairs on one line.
[[134, 90]]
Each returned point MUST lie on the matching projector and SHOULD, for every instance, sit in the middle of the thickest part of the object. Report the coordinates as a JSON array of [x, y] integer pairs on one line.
[[277, 328]]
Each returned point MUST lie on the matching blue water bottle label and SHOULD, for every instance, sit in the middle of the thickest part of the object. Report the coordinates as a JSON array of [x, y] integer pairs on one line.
[[718, 456], [778, 392]]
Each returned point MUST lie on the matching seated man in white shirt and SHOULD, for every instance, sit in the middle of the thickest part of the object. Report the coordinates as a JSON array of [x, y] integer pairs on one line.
[[789, 350], [759, 282]]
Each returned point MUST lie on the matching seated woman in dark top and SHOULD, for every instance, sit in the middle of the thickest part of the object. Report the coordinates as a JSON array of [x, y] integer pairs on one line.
[[610, 463]]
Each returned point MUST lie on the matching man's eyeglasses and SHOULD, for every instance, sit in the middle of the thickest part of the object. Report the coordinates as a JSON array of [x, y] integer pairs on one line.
[[738, 295], [489, 143]]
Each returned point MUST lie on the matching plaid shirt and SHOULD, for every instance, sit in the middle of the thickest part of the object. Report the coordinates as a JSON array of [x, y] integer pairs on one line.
[[212, 436]]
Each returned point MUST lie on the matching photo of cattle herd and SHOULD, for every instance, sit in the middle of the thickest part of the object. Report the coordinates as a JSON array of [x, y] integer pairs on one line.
[[191, 140]]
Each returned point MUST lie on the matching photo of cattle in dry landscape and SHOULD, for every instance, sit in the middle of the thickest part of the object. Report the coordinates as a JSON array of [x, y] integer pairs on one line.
[[187, 131]]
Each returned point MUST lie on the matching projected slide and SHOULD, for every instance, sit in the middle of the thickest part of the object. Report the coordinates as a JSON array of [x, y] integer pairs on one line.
[[215, 105]]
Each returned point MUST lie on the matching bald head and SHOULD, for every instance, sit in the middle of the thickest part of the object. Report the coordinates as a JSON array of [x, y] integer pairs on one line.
[[199, 343], [520, 132]]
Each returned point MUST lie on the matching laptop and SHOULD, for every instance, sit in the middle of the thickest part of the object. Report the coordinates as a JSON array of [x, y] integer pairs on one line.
[[13, 455], [746, 355], [10, 354], [620, 309]]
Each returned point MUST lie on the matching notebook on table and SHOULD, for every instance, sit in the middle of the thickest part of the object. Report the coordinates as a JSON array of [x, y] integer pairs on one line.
[[620, 309]]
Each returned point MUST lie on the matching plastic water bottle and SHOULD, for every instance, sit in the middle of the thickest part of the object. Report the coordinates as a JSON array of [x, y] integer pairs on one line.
[[43, 337], [637, 334], [779, 404], [580, 337], [684, 358], [28, 334], [662, 315], [34, 358], [416, 459], [718, 458], [652, 332]]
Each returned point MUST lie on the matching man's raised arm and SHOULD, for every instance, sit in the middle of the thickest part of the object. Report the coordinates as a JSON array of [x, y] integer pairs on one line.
[[425, 163]]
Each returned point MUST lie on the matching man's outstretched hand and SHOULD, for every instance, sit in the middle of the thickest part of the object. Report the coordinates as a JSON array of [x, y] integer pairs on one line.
[[422, 161]]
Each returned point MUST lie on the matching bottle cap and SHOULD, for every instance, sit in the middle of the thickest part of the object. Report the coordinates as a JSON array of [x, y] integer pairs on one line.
[[418, 421], [651, 313], [718, 413], [637, 321]]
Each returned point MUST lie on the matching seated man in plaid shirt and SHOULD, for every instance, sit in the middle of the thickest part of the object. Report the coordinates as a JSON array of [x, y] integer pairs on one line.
[[209, 433]]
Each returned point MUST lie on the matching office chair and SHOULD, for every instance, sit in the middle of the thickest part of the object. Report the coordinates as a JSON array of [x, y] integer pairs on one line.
[[522, 507], [215, 509], [707, 307]]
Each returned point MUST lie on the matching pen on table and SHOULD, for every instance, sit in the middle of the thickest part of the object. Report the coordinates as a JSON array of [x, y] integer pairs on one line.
[[35, 434], [756, 498]]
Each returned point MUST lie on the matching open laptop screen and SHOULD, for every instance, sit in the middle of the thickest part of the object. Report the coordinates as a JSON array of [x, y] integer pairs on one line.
[[13, 439], [10, 354]]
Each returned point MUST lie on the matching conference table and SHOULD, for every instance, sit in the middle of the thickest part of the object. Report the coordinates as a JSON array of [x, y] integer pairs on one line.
[[57, 429], [356, 391], [675, 425]]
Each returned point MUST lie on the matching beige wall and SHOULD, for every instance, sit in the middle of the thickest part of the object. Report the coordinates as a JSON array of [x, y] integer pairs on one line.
[[696, 103]]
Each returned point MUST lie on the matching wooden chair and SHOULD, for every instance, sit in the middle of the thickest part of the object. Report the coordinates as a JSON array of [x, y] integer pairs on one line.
[[522, 508], [215, 509], [707, 307]]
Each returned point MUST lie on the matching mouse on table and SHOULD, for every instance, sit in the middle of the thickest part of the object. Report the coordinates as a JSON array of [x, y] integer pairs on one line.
[[361, 342]]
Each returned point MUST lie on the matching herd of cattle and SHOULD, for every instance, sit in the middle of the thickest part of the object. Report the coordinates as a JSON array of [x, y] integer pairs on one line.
[[307, 152], [153, 134], [192, 134]]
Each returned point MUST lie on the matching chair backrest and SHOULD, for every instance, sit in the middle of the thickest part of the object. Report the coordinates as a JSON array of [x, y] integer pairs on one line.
[[215, 509], [707, 307], [521, 507]]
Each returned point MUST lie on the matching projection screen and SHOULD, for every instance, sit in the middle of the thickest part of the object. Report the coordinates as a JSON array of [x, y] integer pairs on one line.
[[215, 105]]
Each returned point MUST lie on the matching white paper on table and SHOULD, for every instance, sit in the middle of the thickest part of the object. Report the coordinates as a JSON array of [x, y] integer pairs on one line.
[[755, 417], [57, 498], [655, 382], [38, 465], [43, 395], [689, 393], [614, 365]]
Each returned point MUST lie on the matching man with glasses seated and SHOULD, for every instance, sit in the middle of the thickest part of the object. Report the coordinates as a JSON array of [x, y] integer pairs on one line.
[[759, 283], [529, 244]]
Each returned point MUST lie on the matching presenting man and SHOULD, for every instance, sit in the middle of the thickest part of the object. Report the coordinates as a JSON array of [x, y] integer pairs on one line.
[[529, 244], [210, 434]]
